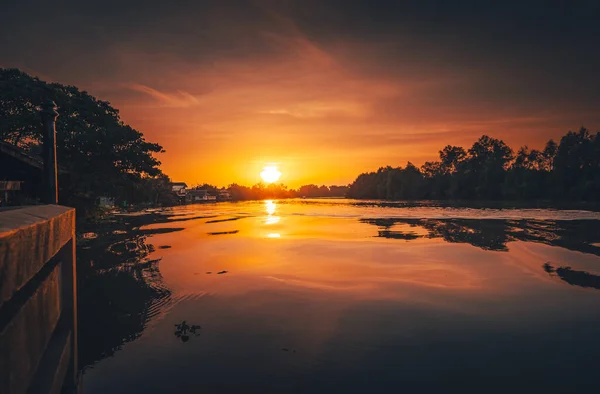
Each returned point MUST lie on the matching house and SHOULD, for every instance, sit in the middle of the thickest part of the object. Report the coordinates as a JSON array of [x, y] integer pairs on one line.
[[201, 195], [179, 188]]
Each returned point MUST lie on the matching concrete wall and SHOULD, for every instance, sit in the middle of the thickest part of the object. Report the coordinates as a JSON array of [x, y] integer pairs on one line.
[[37, 299]]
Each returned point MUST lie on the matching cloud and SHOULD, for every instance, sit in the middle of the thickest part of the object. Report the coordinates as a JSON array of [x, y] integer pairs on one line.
[[319, 110], [178, 99]]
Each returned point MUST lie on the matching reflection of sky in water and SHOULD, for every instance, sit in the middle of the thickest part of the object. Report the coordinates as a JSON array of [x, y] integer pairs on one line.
[[348, 304]]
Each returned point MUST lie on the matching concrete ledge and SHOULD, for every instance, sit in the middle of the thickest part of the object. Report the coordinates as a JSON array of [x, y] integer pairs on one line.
[[54, 365], [29, 237], [23, 341]]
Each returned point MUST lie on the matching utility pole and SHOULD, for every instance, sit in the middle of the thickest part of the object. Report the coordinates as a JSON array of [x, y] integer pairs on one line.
[[50, 179]]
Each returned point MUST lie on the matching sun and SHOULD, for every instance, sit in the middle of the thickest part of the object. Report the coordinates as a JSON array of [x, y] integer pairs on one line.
[[270, 174]]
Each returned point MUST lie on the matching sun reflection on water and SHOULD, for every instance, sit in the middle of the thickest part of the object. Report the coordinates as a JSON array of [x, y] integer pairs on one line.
[[272, 219], [270, 206]]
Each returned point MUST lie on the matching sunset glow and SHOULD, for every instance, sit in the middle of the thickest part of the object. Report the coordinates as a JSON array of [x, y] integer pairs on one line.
[[323, 196], [329, 92], [270, 174]]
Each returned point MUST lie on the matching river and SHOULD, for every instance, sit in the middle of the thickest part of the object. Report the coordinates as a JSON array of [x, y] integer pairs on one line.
[[341, 296]]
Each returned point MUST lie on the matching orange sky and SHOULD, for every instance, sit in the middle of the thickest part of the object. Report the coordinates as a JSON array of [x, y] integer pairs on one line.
[[325, 93], [306, 112]]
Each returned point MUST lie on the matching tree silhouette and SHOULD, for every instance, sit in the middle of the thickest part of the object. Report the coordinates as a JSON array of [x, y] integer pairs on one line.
[[99, 153], [489, 170]]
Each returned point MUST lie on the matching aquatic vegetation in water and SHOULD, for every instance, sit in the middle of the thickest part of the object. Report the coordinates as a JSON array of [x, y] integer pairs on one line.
[[184, 331]]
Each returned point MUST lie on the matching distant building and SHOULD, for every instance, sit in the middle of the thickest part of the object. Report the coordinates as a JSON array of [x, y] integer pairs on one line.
[[224, 195], [181, 191], [201, 195], [179, 188]]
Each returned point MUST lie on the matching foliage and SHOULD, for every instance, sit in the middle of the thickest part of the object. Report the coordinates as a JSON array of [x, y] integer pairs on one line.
[[490, 170], [262, 191], [98, 152], [213, 190]]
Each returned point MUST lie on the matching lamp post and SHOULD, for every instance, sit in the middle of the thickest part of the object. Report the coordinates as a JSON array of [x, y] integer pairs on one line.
[[50, 179]]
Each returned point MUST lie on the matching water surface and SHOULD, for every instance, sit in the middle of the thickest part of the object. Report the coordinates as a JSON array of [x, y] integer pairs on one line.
[[338, 296]]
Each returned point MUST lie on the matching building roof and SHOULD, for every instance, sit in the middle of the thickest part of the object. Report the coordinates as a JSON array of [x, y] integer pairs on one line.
[[179, 184], [19, 154]]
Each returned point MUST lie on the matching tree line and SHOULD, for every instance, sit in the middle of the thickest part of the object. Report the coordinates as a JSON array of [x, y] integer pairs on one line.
[[100, 155], [490, 170], [261, 191]]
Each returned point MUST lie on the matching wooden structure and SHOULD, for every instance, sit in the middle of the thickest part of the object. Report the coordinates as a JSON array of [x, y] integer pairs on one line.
[[39, 176], [20, 173], [181, 192], [38, 303], [11, 152], [6, 187]]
